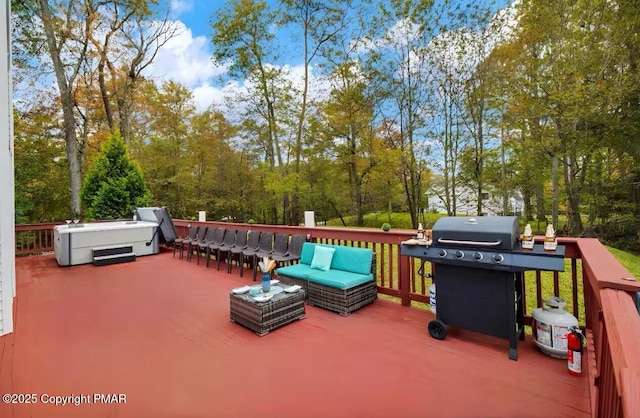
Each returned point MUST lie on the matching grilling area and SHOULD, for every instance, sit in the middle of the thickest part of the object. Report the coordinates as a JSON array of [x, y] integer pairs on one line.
[[478, 269], [159, 331]]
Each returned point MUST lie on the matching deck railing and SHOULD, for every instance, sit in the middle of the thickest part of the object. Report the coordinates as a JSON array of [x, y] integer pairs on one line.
[[598, 290], [35, 238], [613, 331]]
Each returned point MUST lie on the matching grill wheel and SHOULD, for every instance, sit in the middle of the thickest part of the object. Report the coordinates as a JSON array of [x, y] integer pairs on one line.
[[437, 329]]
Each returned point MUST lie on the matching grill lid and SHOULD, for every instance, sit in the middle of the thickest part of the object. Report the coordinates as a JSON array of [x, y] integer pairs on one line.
[[483, 232]]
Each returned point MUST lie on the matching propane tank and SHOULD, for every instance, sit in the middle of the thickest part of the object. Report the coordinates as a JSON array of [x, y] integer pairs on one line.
[[574, 351], [432, 297], [551, 324]]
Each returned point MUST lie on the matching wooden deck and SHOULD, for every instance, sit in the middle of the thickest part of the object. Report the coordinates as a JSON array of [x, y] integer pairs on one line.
[[158, 331]]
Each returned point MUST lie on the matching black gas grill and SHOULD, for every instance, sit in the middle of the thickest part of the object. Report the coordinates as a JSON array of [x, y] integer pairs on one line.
[[478, 270]]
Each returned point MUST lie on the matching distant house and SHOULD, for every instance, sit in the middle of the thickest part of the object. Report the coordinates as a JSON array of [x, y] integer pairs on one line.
[[466, 202]]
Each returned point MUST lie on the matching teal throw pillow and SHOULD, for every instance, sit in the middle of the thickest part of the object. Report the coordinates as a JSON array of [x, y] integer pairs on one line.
[[322, 257]]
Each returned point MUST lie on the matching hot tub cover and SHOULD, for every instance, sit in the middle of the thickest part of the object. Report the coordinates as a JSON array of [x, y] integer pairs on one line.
[[162, 217]]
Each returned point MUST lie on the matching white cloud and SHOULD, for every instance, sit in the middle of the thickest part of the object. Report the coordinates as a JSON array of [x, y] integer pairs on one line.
[[207, 95], [178, 7], [319, 87], [403, 33], [463, 49], [224, 98], [503, 25], [185, 59]]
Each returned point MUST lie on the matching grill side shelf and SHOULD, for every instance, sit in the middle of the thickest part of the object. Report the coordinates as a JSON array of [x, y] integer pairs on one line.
[[538, 259], [519, 260]]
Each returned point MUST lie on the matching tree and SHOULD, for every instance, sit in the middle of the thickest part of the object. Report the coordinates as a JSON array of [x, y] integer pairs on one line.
[[350, 117], [114, 186], [41, 180], [81, 38], [163, 148], [126, 39], [477, 112], [446, 118], [67, 43], [402, 69], [319, 21], [567, 72], [243, 36]]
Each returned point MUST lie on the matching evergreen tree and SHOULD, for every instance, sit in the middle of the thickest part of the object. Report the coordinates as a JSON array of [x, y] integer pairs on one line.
[[114, 186]]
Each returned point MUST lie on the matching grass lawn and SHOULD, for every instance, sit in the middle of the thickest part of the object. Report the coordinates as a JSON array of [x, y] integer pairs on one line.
[[630, 261]]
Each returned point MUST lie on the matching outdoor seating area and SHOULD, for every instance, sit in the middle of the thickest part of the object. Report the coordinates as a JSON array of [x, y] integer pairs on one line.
[[165, 340], [335, 277], [346, 283]]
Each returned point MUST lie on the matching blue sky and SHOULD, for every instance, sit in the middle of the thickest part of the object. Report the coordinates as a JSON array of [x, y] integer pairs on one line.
[[196, 14], [188, 57]]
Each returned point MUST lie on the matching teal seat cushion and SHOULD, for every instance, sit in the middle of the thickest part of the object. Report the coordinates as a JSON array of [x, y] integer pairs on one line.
[[322, 257], [356, 260], [297, 271], [338, 278]]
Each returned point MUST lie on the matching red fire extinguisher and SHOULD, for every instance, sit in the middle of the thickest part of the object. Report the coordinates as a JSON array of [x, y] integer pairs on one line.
[[574, 351]]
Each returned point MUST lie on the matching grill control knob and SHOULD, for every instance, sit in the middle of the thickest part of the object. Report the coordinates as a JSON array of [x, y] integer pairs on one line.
[[442, 253], [459, 254], [477, 256], [497, 258]]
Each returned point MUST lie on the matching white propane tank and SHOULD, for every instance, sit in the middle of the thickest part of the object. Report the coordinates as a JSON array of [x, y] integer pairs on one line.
[[551, 324], [432, 297]]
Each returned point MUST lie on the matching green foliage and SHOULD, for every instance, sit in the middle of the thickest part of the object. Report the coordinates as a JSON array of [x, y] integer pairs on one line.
[[415, 101], [386, 226], [113, 187], [242, 34], [41, 176]]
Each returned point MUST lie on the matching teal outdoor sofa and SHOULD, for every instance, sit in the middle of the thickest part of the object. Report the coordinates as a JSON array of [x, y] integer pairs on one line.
[[348, 284]]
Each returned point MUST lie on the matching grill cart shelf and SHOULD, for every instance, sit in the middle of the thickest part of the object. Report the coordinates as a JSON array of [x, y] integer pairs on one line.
[[479, 271]]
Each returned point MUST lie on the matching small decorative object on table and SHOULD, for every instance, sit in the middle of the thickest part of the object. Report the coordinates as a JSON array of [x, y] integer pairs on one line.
[[266, 265], [527, 238], [550, 242]]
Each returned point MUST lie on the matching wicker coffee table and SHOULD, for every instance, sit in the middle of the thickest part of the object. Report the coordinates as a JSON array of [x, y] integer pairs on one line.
[[261, 318]]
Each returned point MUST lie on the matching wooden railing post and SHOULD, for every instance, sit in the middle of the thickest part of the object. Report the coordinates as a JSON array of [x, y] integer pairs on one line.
[[403, 272]]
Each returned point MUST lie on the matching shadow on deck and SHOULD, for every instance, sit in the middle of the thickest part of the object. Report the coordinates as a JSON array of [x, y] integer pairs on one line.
[[158, 331]]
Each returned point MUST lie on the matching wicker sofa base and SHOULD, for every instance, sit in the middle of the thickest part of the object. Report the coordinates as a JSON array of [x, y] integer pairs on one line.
[[342, 301], [261, 318]]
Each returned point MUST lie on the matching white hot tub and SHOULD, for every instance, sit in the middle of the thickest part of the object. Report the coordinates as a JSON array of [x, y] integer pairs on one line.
[[75, 244]]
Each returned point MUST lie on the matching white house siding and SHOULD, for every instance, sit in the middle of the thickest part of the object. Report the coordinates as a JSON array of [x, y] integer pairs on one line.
[[7, 212], [466, 202]]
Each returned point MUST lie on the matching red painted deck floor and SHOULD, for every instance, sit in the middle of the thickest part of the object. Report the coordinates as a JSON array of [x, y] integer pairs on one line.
[[158, 331]]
